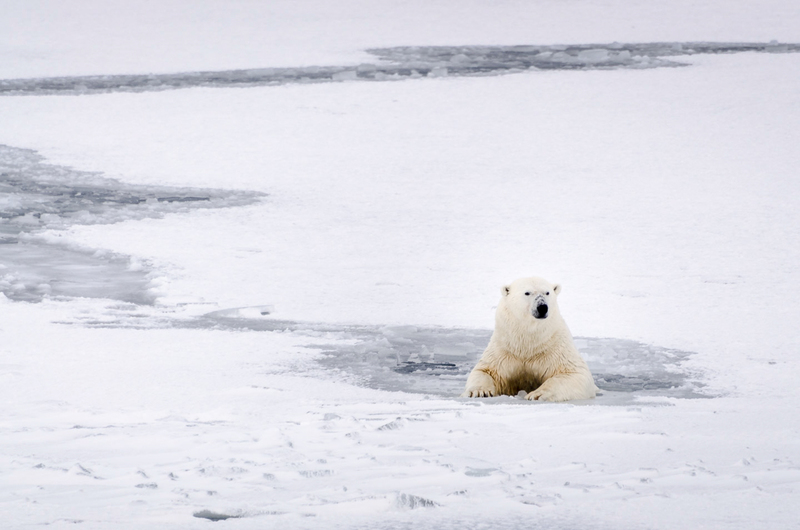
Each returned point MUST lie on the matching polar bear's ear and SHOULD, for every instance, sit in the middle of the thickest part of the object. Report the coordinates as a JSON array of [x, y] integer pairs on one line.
[[557, 288], [505, 290]]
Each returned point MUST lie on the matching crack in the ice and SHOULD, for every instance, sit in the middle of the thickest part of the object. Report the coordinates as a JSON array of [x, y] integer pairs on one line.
[[407, 62]]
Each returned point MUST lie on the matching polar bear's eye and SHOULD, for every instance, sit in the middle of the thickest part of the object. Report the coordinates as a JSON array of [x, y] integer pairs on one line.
[[547, 293], [527, 294]]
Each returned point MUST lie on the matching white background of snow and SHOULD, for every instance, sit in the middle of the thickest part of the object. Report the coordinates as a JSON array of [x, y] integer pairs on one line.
[[664, 200], [91, 37]]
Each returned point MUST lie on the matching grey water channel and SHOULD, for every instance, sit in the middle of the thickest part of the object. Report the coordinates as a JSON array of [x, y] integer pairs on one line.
[[436, 361], [36, 196], [407, 62]]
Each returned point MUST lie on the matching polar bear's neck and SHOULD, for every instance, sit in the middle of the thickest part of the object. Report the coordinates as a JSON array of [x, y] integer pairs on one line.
[[525, 337]]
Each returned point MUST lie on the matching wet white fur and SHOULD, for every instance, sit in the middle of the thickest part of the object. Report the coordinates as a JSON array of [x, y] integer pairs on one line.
[[530, 354]]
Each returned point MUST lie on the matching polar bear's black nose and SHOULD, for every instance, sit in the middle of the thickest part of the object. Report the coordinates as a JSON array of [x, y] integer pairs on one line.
[[541, 311]]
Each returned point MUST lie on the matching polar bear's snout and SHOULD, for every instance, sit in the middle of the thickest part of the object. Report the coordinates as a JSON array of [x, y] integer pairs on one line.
[[540, 307]]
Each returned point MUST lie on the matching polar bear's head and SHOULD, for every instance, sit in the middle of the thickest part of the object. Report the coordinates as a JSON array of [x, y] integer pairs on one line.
[[531, 298]]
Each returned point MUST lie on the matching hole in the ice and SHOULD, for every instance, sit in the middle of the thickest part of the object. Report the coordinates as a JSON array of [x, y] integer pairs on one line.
[[437, 361]]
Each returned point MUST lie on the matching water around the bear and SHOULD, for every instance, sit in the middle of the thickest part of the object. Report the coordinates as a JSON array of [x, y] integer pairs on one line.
[[38, 196]]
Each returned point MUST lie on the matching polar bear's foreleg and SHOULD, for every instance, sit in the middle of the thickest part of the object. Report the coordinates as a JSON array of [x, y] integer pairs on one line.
[[565, 387], [480, 384]]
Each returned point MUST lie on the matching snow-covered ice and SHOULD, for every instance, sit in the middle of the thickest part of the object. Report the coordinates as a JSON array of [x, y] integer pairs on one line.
[[255, 307], [41, 38]]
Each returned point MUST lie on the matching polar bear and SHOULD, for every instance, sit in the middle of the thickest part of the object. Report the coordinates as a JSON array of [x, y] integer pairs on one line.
[[531, 349]]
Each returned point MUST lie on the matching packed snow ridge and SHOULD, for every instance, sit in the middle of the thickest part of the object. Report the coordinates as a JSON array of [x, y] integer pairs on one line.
[[407, 62]]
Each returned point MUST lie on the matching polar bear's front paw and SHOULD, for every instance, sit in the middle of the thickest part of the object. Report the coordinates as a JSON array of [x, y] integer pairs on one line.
[[479, 391], [541, 394]]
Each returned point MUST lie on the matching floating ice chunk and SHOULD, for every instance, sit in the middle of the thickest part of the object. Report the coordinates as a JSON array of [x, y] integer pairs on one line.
[[51, 219], [426, 354], [398, 331], [28, 219], [563, 57], [775, 47], [597, 55], [624, 55], [458, 351]]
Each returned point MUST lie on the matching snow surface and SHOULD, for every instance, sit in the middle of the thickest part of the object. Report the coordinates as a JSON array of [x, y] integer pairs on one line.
[[259, 389], [94, 37]]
